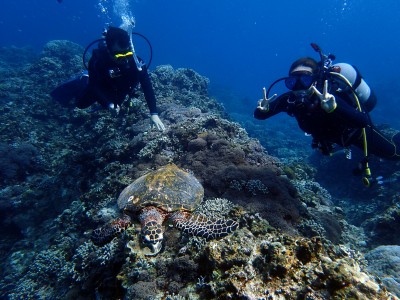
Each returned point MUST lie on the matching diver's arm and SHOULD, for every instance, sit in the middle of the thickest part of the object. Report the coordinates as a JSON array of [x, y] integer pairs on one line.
[[275, 107], [354, 117], [335, 105], [148, 90]]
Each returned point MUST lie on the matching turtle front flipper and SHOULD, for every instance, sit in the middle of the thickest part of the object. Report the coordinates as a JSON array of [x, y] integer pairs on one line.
[[103, 235], [202, 226]]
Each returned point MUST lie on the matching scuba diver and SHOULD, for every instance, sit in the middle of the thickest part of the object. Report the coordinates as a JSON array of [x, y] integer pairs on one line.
[[114, 71], [331, 102]]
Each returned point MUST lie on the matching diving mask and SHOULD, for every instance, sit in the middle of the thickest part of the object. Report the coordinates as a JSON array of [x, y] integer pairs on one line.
[[299, 82]]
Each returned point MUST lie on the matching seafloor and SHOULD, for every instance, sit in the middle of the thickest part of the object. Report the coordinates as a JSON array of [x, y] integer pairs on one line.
[[62, 170]]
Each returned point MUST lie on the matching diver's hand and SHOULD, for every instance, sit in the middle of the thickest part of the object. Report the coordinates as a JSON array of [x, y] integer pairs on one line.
[[156, 120], [328, 101], [263, 104]]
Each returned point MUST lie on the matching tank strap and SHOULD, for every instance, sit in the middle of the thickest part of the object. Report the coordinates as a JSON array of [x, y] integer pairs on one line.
[[357, 82]]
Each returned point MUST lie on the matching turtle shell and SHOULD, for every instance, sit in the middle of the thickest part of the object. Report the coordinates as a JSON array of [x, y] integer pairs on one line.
[[169, 188]]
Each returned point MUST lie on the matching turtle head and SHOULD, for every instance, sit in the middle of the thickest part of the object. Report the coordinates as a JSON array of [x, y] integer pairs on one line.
[[152, 237], [152, 232]]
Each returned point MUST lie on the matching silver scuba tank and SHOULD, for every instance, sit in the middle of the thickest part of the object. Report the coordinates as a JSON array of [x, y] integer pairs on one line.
[[364, 93]]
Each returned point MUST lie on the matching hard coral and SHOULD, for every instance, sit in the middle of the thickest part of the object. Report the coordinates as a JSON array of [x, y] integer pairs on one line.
[[385, 262], [382, 226], [197, 144], [17, 161], [294, 268]]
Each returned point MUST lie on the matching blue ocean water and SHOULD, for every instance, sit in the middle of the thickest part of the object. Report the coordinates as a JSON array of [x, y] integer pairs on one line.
[[240, 45]]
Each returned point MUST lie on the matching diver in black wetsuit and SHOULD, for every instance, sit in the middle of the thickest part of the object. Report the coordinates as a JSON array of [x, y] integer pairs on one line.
[[114, 72], [333, 115]]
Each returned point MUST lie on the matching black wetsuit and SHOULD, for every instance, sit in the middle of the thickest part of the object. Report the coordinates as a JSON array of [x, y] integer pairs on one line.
[[110, 82], [343, 126]]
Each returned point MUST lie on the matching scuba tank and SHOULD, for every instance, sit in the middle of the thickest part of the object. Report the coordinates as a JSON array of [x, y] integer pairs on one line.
[[364, 93]]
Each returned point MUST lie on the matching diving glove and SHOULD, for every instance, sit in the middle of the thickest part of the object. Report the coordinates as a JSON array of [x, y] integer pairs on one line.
[[328, 101], [156, 120], [263, 104]]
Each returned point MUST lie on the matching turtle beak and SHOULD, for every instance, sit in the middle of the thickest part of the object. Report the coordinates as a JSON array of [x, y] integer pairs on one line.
[[153, 247], [152, 237]]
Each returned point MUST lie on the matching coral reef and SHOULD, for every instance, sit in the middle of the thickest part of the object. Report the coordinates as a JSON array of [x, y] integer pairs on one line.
[[17, 161], [385, 262], [256, 262], [382, 226], [73, 164]]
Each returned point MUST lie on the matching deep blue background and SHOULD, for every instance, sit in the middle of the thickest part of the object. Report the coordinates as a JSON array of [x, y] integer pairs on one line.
[[242, 45]]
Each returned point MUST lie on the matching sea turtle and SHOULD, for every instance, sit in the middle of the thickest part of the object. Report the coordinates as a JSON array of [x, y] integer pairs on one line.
[[166, 193]]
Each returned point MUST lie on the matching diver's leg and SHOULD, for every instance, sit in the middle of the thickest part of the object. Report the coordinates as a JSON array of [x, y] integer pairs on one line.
[[85, 100], [384, 143], [72, 89]]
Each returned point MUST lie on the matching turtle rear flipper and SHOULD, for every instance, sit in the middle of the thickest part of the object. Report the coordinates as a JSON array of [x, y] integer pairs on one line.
[[103, 235], [203, 227]]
